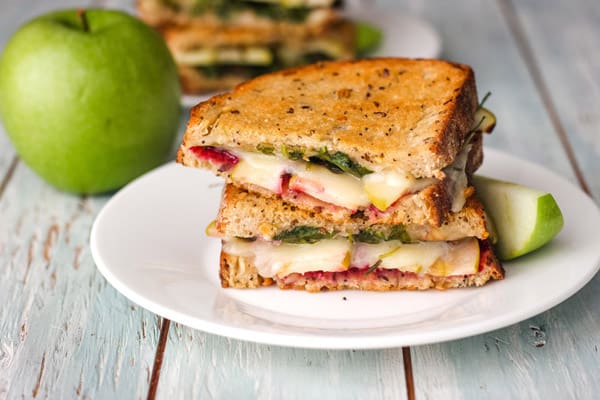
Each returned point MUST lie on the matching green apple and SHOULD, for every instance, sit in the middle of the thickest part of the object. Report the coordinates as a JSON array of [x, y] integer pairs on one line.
[[90, 99], [525, 218]]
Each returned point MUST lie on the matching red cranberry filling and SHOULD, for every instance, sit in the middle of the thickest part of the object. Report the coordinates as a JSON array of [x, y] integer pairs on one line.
[[223, 159], [485, 253]]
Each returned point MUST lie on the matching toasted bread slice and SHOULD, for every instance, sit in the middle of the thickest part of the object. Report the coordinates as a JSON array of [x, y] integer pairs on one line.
[[248, 214], [239, 272], [405, 114]]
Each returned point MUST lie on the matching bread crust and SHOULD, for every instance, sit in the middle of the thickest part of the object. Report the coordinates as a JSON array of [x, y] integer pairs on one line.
[[239, 272], [408, 114]]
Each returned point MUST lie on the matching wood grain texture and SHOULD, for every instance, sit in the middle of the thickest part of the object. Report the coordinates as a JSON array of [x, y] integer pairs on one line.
[[64, 332], [570, 69], [554, 355], [199, 365], [476, 34]]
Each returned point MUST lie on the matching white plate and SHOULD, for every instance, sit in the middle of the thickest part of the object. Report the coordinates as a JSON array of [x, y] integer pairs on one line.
[[149, 243], [403, 36]]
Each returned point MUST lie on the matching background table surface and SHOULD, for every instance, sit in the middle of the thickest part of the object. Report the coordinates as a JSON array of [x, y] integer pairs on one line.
[[66, 333]]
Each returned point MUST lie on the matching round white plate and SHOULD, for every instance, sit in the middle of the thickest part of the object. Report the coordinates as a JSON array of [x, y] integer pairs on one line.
[[149, 243], [403, 36]]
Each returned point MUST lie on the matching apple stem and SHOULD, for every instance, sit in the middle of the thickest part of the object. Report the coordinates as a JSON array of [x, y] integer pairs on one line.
[[84, 21]]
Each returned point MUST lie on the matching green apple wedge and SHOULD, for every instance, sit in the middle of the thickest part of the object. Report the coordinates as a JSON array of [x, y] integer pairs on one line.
[[525, 218]]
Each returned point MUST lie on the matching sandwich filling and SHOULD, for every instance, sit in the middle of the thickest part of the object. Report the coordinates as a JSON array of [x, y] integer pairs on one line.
[[334, 178], [277, 259], [279, 10], [330, 178], [214, 62]]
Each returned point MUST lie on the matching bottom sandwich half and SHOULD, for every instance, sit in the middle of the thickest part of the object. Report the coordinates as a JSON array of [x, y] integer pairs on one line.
[[307, 253]]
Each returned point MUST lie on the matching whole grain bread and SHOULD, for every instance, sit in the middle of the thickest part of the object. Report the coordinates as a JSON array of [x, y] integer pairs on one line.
[[248, 214], [239, 272], [407, 114]]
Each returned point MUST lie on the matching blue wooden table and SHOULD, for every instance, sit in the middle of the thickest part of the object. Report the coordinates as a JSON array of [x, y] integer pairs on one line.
[[66, 333]]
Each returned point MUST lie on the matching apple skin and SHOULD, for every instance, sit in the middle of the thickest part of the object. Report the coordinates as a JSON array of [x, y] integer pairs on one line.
[[549, 221], [524, 218], [89, 110]]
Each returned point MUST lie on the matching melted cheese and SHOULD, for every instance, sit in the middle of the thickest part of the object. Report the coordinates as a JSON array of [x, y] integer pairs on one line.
[[384, 188], [261, 170], [286, 258], [204, 56], [335, 255], [343, 190], [458, 175]]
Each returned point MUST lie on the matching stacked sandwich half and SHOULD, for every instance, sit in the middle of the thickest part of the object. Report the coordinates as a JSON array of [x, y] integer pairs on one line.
[[348, 175], [219, 43]]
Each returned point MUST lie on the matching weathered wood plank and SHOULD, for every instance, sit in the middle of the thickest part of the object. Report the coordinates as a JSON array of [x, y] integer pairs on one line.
[[65, 332], [564, 40], [199, 365], [554, 354]]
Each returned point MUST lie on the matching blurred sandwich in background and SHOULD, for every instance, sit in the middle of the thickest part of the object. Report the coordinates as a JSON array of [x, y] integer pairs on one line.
[[220, 43]]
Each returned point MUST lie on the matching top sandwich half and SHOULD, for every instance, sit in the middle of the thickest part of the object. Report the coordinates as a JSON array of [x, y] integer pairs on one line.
[[350, 137]]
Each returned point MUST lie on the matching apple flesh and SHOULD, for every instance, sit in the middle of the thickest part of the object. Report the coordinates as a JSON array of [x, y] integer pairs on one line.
[[90, 100], [525, 218]]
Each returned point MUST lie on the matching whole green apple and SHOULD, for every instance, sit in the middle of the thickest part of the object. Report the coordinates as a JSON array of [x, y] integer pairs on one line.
[[90, 99]]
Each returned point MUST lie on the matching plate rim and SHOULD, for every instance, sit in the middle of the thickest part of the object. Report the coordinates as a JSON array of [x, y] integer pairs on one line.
[[336, 341]]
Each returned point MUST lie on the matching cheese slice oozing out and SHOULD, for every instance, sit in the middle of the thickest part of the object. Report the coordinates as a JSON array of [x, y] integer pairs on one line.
[[337, 255], [379, 188]]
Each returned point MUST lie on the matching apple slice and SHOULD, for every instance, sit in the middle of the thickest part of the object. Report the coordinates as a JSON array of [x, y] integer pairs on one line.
[[525, 218]]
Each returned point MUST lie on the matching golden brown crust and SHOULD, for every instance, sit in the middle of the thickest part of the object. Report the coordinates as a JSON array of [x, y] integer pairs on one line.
[[193, 81], [407, 114], [248, 214], [239, 272], [181, 38]]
